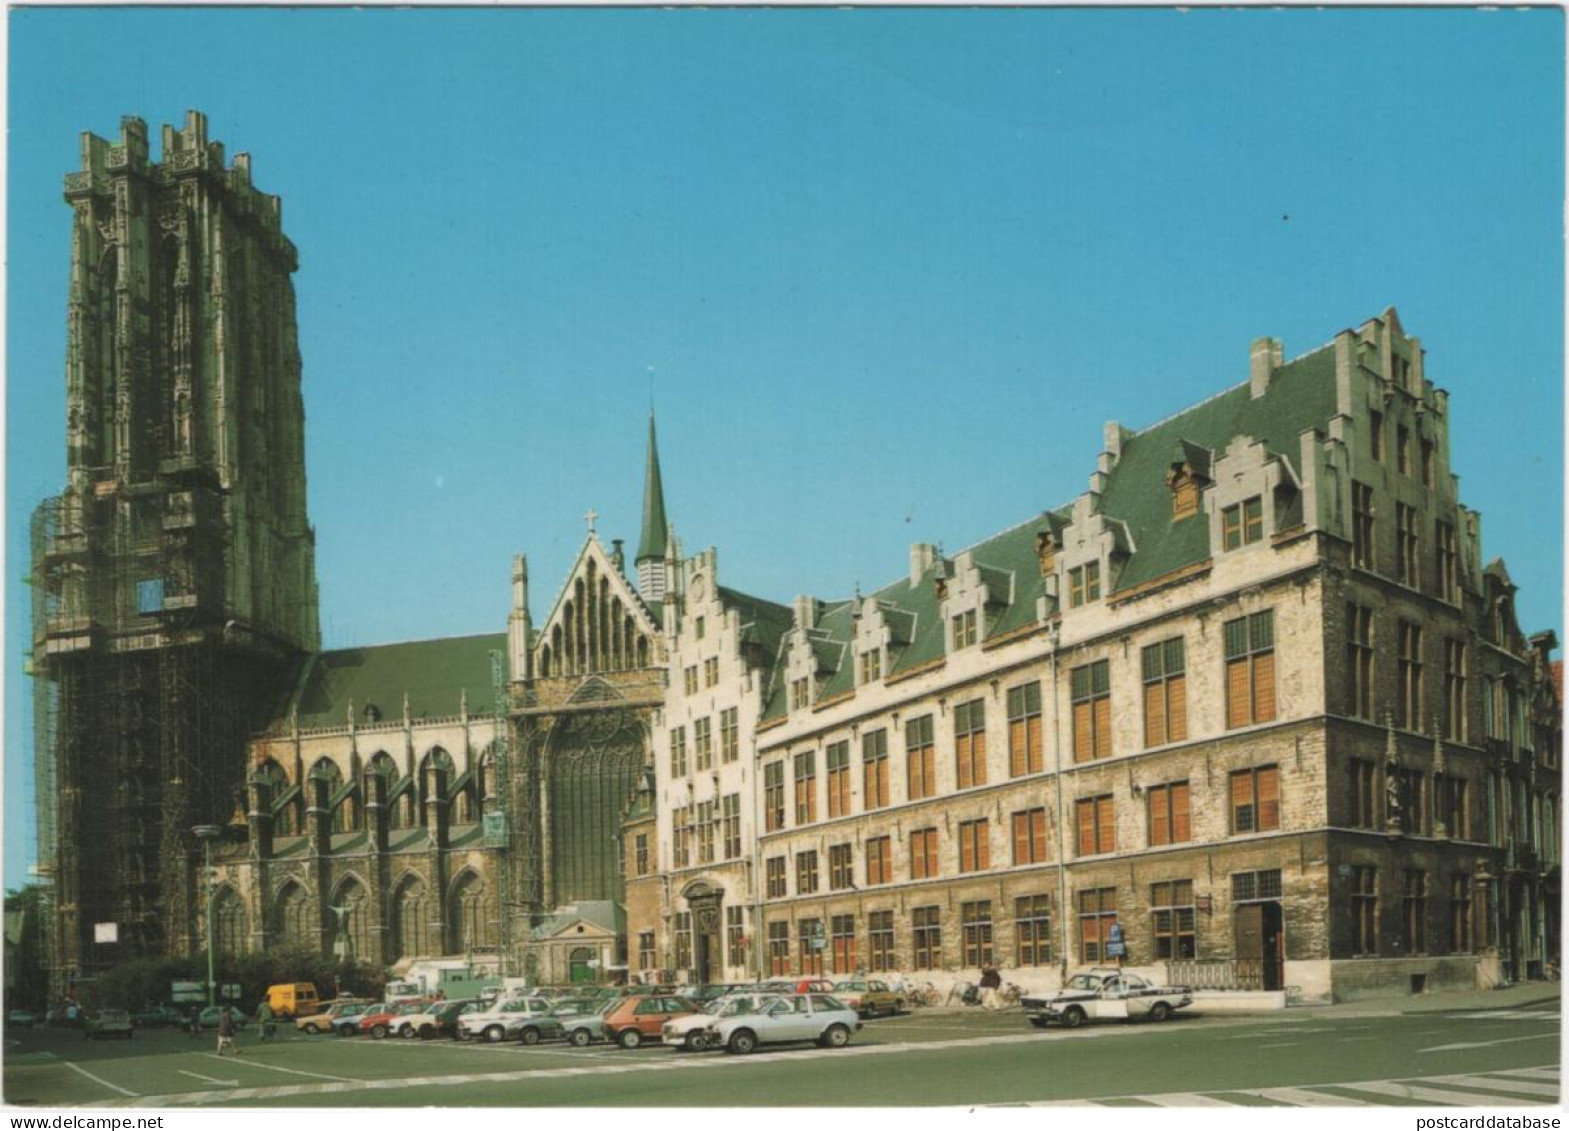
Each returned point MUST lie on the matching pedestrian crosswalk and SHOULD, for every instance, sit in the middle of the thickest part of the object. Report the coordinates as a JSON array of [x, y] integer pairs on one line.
[[1505, 1088]]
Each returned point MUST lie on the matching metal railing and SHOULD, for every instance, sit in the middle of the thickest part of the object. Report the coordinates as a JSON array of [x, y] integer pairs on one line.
[[1217, 973]]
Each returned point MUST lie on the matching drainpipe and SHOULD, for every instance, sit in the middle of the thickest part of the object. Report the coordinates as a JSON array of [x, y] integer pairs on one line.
[[1053, 636]]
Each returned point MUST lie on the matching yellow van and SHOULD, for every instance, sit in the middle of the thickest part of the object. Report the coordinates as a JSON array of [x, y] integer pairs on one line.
[[293, 999]]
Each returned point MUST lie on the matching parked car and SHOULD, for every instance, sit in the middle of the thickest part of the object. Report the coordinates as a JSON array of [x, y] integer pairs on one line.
[[583, 1026], [1105, 994], [323, 1022], [508, 1018], [156, 1017], [438, 1018], [21, 1018], [384, 1021], [209, 1017], [802, 1017], [108, 1023], [869, 997], [695, 1031], [799, 985], [348, 1025], [634, 1020], [293, 999]]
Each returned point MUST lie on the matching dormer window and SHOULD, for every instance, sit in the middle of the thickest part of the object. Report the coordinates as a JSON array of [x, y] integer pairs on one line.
[[1083, 584], [1046, 551], [1184, 497], [964, 633], [800, 693], [871, 665], [1242, 524]]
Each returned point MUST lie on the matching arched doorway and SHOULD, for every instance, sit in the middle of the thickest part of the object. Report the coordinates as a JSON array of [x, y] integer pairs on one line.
[[706, 900], [580, 965]]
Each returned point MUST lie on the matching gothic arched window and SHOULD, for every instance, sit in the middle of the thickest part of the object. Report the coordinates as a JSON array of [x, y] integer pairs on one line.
[[228, 922]]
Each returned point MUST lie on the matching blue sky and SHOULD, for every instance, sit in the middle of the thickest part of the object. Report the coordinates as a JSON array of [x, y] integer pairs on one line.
[[883, 273]]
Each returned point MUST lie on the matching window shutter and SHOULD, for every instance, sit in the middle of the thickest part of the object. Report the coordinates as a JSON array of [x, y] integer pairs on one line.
[[1264, 687], [1242, 802], [1106, 816], [1237, 693], [978, 755], [1021, 830], [983, 845], [1177, 708], [1154, 714], [1181, 828], [1103, 727], [1160, 826], [1018, 753], [1038, 835], [1086, 828], [1034, 757], [1269, 798], [1083, 736]]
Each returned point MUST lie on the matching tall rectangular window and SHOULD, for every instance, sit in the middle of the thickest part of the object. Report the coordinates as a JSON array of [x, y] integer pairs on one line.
[[1029, 836], [729, 739], [1242, 524], [689, 680], [681, 835], [1097, 822], [975, 845], [806, 787], [1097, 913], [1172, 920], [1402, 449], [1032, 929], [1415, 912], [1091, 690], [1359, 660], [706, 822], [773, 796], [678, 763], [1255, 800], [1083, 584], [646, 959], [642, 865], [964, 629], [800, 693], [809, 934], [1364, 794], [1454, 690], [1024, 729], [1454, 804], [735, 935], [1408, 565], [1375, 435], [731, 819], [969, 743], [710, 671], [871, 665], [1364, 909], [1408, 712], [923, 854], [839, 779], [703, 744], [776, 877], [1459, 914], [1362, 525], [921, 764], [806, 872], [779, 949], [683, 955], [1429, 466], [879, 941], [842, 928], [976, 922], [1448, 563], [1165, 693], [1411, 801], [1250, 669], [926, 932], [879, 861], [1169, 819], [874, 769], [841, 867]]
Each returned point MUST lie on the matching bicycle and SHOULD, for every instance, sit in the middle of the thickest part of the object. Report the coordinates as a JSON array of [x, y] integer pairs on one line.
[[924, 994]]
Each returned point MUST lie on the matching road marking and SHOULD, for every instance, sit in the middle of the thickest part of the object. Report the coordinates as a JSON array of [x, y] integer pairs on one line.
[[1531, 1073], [1520, 1086], [280, 1068], [1184, 1099], [1283, 1045], [1488, 1044], [1442, 1096], [209, 1079], [98, 1079], [1301, 1097], [1508, 1015]]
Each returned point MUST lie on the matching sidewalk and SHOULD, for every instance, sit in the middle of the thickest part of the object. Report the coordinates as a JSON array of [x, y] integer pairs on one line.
[[1510, 997]]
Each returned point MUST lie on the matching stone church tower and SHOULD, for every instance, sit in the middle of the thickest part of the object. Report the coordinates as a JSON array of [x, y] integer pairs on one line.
[[174, 578]]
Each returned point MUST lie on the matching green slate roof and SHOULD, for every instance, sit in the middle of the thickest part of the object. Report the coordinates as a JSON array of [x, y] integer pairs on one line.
[[1136, 503], [434, 673]]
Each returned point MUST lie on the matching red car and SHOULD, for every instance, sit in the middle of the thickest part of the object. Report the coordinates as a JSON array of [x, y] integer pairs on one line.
[[799, 986], [380, 1022], [642, 1017]]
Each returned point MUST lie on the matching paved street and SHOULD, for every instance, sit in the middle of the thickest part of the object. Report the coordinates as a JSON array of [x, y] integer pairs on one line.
[[1348, 1055]]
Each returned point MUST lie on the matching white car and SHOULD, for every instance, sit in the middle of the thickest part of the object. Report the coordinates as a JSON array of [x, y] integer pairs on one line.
[[1105, 994], [799, 1017], [502, 1020], [695, 1031]]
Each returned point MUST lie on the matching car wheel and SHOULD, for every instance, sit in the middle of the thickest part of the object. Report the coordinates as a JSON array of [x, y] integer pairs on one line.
[[630, 1038], [529, 1036], [742, 1041], [1160, 1011], [311, 1029], [495, 1034], [427, 1033], [1073, 1018], [836, 1037], [578, 1038], [696, 1042], [378, 1031]]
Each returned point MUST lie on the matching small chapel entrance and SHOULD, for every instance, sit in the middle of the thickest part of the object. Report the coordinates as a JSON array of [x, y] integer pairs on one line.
[[708, 954]]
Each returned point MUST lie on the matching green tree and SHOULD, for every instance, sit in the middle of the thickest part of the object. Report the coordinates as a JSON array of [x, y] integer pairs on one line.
[[27, 972]]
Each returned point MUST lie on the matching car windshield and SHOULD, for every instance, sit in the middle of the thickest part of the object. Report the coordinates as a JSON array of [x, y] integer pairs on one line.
[[736, 1006], [1084, 982]]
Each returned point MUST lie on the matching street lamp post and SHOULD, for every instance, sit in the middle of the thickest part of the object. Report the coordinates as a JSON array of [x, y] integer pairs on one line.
[[207, 834]]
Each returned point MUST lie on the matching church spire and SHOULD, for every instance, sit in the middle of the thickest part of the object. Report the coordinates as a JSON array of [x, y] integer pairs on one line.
[[652, 546]]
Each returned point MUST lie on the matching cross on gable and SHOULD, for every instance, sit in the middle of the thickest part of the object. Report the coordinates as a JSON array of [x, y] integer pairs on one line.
[[591, 517]]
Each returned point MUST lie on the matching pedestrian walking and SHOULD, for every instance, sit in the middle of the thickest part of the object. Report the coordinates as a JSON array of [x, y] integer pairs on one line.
[[991, 986], [226, 1031], [264, 1023]]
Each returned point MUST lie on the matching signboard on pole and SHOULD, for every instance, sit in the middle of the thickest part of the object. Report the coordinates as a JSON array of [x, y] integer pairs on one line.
[[106, 932], [187, 993], [1115, 947], [230, 991]]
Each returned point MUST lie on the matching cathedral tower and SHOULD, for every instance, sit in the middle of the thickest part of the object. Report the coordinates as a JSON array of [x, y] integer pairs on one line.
[[653, 546], [174, 578]]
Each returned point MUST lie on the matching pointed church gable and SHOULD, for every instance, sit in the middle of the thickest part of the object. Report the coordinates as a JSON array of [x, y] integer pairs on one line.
[[598, 622]]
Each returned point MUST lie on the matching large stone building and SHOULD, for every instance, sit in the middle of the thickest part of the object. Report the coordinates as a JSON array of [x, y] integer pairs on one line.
[[1252, 705]]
